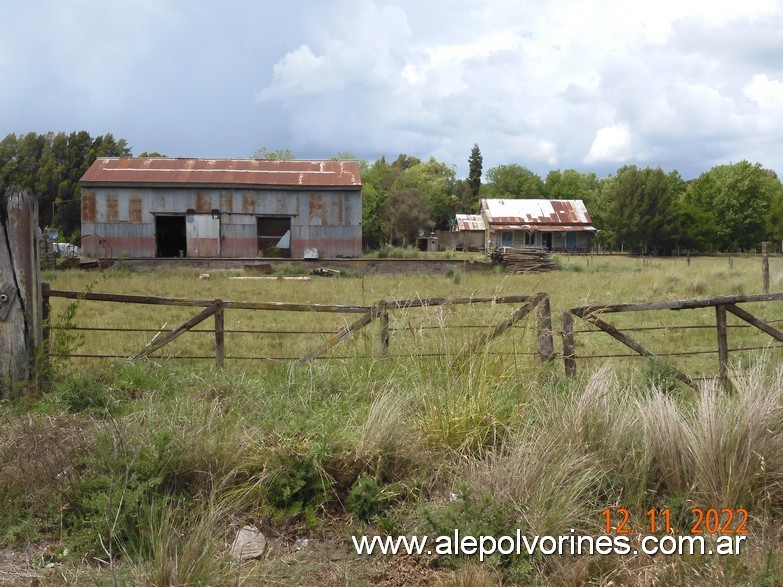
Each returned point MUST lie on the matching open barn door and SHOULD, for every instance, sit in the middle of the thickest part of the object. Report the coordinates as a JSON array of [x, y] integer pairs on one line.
[[274, 236]]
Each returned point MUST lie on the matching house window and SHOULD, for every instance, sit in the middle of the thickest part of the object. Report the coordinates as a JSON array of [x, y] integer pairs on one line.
[[530, 238], [508, 238]]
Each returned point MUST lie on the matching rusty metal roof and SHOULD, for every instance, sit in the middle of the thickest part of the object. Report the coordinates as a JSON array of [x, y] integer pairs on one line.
[[223, 172], [470, 222], [536, 214], [546, 227]]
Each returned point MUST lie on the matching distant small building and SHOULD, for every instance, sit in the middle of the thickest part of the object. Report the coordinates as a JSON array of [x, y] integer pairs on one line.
[[557, 225], [469, 229], [161, 207]]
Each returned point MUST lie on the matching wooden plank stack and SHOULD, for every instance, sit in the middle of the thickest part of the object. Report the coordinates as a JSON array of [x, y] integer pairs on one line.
[[523, 259]]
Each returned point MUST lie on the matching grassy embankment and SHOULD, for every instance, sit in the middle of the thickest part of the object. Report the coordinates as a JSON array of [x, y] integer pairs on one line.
[[152, 467]]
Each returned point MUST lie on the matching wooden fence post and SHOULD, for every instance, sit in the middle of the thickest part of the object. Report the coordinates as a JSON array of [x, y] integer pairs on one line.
[[764, 267], [723, 347], [219, 333], [569, 344], [45, 311], [384, 316], [546, 342], [20, 288]]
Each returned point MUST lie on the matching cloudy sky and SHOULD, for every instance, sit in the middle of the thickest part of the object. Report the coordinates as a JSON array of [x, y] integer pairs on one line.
[[558, 84]]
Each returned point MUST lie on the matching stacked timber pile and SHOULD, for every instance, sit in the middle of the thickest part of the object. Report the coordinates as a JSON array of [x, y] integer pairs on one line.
[[523, 259]]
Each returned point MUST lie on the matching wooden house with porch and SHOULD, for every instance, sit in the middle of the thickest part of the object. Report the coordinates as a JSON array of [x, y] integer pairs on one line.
[[556, 225]]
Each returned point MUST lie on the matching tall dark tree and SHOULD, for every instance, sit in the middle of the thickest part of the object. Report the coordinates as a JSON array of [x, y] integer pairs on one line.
[[475, 162], [643, 212]]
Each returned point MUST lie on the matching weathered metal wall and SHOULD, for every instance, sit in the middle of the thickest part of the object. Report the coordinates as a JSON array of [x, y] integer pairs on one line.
[[328, 220]]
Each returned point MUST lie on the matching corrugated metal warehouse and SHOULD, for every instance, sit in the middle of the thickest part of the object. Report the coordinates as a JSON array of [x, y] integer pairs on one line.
[[161, 207]]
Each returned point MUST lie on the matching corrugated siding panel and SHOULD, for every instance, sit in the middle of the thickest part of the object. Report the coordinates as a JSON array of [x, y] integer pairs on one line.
[[337, 230]]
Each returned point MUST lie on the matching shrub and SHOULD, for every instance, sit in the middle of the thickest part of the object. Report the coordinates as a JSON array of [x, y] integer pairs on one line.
[[368, 500]]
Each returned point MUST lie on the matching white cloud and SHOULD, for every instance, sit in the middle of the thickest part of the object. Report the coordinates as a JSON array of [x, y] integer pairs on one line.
[[766, 93], [612, 144], [570, 83]]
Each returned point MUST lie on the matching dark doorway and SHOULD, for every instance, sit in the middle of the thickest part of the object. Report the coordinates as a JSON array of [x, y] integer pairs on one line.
[[274, 236], [170, 236], [546, 240]]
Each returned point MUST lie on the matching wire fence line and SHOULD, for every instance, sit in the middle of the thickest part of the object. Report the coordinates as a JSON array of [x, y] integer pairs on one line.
[[331, 337], [594, 317], [396, 318]]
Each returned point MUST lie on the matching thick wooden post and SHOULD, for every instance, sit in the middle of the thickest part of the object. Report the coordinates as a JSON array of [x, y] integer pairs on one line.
[[546, 342], [723, 346], [20, 288], [569, 344], [764, 267], [219, 334]]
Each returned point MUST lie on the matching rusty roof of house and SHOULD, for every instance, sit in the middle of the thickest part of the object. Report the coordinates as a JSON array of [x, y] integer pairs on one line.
[[223, 172], [536, 214], [469, 222]]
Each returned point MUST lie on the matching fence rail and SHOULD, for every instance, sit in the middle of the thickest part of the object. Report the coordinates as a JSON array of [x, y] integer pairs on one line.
[[723, 305], [367, 315], [595, 317]]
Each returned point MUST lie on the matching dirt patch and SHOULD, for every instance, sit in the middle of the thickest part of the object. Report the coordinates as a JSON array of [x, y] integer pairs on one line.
[[17, 566]]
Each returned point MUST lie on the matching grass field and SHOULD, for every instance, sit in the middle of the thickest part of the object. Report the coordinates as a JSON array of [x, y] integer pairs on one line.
[[116, 473], [432, 331]]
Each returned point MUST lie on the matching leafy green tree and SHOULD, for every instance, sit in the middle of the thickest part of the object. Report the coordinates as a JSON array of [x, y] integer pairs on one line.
[[698, 231], [574, 185], [51, 165], [740, 198], [277, 154], [464, 200], [406, 214], [513, 181], [643, 212], [345, 156], [401, 197], [434, 182], [403, 162], [151, 155]]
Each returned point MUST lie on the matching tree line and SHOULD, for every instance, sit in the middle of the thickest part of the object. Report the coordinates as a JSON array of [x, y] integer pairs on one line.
[[644, 210], [730, 207], [51, 165]]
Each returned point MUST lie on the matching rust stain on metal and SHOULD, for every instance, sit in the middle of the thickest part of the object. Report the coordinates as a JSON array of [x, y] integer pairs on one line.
[[88, 206], [134, 209], [316, 208], [569, 214], [470, 222], [203, 203], [226, 201], [112, 209], [248, 204], [214, 172]]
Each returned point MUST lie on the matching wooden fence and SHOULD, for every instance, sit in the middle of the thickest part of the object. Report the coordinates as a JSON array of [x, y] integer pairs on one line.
[[357, 318], [723, 305], [379, 312]]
